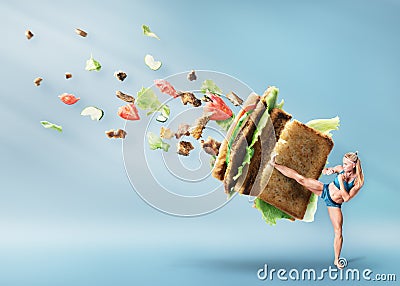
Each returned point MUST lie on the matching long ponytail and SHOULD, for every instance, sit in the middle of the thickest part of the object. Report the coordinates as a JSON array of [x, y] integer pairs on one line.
[[353, 156]]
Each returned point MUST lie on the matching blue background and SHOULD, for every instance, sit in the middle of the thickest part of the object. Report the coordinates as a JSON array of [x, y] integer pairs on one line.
[[68, 215]]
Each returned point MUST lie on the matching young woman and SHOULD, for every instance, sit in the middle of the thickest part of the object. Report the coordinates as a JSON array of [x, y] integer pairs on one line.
[[343, 188]]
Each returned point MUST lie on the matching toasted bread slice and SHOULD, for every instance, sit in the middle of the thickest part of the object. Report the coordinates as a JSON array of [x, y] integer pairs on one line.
[[305, 150], [220, 162], [262, 154]]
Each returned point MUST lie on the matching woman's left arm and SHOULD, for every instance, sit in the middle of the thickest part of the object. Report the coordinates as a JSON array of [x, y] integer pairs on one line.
[[347, 196]]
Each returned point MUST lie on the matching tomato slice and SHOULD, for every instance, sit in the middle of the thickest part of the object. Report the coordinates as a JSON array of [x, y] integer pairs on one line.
[[218, 108], [128, 112], [165, 87], [68, 98]]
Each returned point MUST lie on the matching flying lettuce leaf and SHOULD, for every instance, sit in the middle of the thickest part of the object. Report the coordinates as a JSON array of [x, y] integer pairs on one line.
[[148, 100], [147, 32], [92, 64], [50, 125], [325, 126], [155, 142], [210, 85], [269, 213]]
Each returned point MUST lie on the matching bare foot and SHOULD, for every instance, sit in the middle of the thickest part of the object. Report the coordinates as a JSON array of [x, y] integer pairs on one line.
[[337, 264]]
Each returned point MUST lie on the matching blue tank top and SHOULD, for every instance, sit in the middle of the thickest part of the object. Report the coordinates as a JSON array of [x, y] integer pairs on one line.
[[347, 186]]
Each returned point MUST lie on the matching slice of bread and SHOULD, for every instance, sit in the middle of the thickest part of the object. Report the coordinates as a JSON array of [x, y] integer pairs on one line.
[[305, 150]]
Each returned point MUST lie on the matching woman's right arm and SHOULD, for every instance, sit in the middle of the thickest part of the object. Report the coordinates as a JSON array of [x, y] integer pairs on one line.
[[330, 171]]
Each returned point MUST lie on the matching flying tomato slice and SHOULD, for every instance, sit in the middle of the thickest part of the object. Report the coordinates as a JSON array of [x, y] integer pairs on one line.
[[165, 87], [128, 112], [218, 108], [68, 98]]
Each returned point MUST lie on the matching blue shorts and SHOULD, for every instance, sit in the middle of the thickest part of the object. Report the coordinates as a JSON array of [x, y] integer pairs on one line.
[[327, 198]]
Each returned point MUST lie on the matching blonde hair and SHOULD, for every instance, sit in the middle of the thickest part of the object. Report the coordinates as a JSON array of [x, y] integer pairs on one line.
[[353, 156]]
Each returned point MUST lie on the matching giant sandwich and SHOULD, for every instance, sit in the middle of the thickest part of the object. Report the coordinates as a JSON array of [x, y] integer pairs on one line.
[[260, 130]]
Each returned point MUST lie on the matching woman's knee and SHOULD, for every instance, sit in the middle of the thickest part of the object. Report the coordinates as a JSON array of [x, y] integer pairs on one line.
[[338, 231]]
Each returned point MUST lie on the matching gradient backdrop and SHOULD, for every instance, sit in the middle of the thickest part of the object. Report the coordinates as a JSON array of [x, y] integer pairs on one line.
[[68, 214]]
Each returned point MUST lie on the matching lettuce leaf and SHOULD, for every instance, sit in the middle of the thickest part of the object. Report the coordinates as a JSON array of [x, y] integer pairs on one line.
[[92, 64], [147, 32], [311, 208], [148, 100], [250, 149], [50, 125], [325, 125], [210, 85], [155, 142], [225, 124], [271, 97], [269, 213]]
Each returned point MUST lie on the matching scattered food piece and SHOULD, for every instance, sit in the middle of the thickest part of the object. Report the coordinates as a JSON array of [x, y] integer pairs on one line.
[[201, 123], [184, 148], [125, 97], [210, 146], [147, 32], [166, 133], [218, 108], [120, 75], [189, 97], [37, 81], [92, 64], [192, 76], [50, 125], [236, 100], [28, 34], [129, 112], [209, 85], [151, 63], [156, 142], [94, 112], [205, 98], [165, 111], [183, 130], [116, 133], [68, 75], [147, 99], [81, 32], [69, 99], [165, 87]]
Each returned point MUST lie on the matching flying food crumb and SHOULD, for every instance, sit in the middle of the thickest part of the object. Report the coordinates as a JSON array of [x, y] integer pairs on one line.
[[192, 76], [125, 97], [166, 133], [206, 98], [120, 75], [116, 133], [188, 97], [68, 75], [184, 148], [37, 81], [80, 32], [183, 130], [28, 34], [236, 100], [210, 146], [201, 123]]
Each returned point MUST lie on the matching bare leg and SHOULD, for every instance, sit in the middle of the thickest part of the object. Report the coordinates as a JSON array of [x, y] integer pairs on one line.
[[337, 222], [312, 185]]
